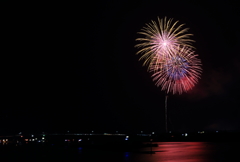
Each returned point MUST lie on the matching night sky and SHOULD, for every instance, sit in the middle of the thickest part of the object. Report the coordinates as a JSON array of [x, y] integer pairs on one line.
[[74, 67]]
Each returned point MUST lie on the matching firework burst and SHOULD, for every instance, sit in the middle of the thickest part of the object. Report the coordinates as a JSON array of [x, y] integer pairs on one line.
[[161, 39], [178, 73]]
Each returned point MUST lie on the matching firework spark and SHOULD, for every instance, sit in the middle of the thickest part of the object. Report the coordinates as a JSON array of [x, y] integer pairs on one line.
[[178, 73], [161, 39]]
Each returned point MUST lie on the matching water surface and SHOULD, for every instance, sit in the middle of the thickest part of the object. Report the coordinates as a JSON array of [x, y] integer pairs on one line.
[[165, 152]]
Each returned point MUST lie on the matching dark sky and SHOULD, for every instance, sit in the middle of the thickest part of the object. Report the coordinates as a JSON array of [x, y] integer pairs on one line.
[[73, 67]]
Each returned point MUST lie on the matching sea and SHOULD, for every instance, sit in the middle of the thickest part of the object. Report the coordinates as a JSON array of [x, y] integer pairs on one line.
[[159, 152]]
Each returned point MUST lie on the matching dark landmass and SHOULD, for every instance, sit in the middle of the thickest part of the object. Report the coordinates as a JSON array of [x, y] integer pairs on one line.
[[113, 140]]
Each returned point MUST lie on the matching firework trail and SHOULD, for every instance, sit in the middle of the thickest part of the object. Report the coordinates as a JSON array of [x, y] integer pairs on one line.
[[167, 52], [161, 39]]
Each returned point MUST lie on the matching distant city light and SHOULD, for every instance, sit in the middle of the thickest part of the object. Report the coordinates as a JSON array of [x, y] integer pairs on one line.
[[201, 132]]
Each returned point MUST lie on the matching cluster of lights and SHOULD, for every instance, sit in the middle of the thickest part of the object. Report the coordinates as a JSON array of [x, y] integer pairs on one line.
[[201, 132], [185, 134], [4, 141]]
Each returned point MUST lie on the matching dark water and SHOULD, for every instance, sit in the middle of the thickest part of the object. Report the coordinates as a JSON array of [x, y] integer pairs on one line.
[[165, 152]]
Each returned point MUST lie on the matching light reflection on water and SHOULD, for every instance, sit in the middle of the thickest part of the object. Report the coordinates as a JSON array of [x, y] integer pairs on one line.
[[188, 152], [180, 152]]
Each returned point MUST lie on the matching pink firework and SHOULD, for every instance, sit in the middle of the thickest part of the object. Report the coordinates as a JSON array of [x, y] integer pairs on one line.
[[178, 73], [161, 39]]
